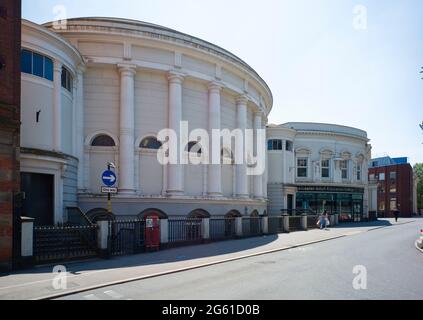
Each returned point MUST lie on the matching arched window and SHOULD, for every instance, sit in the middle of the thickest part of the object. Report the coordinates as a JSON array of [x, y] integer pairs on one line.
[[103, 141], [150, 143], [193, 146]]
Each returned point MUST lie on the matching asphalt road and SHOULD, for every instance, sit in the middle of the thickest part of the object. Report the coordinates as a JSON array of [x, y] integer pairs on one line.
[[320, 271]]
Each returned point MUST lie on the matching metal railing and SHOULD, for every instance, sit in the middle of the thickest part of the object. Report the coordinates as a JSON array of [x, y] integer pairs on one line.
[[222, 228], [251, 226], [126, 237], [184, 230], [295, 223], [53, 243], [275, 224]]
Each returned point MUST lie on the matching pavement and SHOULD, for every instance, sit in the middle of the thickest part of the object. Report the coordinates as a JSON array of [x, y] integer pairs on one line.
[[38, 283]]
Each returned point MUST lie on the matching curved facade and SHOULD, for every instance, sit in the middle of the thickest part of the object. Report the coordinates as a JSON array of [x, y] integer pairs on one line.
[[128, 81], [318, 166]]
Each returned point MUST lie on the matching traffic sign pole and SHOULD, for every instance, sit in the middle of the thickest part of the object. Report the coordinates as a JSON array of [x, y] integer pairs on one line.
[[109, 198]]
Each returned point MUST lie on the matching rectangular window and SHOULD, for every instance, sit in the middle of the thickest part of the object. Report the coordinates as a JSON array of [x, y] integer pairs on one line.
[[38, 65], [393, 204], [66, 79], [288, 146], [382, 176], [302, 167], [48, 69], [392, 175], [382, 206], [358, 172], [26, 61], [325, 168], [344, 169], [372, 177], [274, 144]]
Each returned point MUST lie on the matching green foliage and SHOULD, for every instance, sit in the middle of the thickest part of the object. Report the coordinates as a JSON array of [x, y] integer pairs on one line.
[[418, 169]]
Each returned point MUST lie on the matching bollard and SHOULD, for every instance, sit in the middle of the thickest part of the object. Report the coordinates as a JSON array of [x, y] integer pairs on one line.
[[332, 220], [304, 221]]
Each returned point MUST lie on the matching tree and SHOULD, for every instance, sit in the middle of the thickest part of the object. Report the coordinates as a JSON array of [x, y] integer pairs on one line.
[[418, 169]]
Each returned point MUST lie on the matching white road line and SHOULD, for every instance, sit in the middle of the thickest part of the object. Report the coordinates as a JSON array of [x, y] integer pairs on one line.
[[91, 297], [113, 294]]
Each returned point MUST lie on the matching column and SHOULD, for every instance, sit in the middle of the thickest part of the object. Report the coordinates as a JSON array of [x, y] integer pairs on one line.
[[214, 177], [258, 179], [175, 182], [241, 169], [79, 135], [57, 106], [126, 129]]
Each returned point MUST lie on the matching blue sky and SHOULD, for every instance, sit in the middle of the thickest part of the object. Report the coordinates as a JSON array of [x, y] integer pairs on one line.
[[318, 66]]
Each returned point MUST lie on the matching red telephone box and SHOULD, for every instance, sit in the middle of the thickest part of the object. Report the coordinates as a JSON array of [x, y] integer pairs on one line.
[[152, 233]]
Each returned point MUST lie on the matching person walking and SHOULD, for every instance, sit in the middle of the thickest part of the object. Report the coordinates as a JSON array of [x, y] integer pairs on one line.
[[327, 220], [322, 220], [396, 215]]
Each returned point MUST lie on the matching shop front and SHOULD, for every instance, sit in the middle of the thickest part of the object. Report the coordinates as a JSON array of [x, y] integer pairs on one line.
[[347, 202]]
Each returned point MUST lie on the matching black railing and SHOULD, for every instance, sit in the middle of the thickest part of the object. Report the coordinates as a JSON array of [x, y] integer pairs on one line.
[[184, 230], [295, 223], [251, 226], [312, 222], [126, 237], [222, 228], [53, 243], [275, 224]]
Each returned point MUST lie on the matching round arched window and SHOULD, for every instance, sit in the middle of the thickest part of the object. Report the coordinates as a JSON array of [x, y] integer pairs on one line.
[[103, 141], [150, 143]]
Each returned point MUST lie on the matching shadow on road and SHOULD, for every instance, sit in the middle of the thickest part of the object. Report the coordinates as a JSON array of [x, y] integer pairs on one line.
[[378, 223]]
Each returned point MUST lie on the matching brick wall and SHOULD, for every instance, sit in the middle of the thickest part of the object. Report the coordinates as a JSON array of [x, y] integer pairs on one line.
[[10, 43]]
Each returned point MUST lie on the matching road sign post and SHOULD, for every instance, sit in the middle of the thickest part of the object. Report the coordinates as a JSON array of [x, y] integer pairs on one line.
[[109, 179]]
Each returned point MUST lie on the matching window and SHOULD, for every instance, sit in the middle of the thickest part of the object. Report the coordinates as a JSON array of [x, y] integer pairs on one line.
[[302, 167], [393, 204], [325, 168], [382, 176], [274, 144], [393, 188], [288, 146], [344, 169], [66, 79], [358, 172], [103, 141], [36, 64], [150, 143], [382, 206], [372, 177], [392, 175]]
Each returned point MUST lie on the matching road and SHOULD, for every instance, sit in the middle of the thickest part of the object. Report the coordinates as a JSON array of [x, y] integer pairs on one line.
[[320, 271]]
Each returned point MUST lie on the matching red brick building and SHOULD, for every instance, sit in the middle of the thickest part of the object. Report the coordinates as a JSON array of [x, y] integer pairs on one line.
[[10, 46], [394, 187]]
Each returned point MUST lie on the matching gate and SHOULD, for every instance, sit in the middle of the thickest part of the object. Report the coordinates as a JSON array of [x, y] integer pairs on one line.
[[54, 243], [126, 237]]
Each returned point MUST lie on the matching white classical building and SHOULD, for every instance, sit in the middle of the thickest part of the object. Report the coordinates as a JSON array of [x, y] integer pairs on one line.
[[316, 166], [99, 90]]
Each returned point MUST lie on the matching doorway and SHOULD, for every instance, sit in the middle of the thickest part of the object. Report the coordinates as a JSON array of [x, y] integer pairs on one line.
[[38, 202], [289, 199]]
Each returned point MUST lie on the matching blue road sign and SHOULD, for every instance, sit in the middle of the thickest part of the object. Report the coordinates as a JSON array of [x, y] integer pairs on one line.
[[109, 178]]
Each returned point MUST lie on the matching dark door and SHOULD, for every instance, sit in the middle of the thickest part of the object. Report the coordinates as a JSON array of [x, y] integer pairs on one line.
[[289, 204], [38, 202]]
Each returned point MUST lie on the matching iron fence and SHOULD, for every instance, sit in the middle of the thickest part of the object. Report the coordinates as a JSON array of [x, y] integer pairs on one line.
[[126, 237], [222, 228], [275, 224], [184, 230], [53, 243], [312, 222], [295, 223], [251, 226]]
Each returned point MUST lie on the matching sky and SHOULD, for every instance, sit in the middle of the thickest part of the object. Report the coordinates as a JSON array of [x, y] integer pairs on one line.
[[355, 63]]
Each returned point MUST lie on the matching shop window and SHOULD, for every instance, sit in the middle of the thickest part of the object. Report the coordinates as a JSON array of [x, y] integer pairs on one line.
[[274, 144], [344, 169], [66, 79], [325, 168], [150, 143], [302, 167]]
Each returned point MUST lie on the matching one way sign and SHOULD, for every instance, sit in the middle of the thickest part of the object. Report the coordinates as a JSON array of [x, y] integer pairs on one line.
[[109, 178]]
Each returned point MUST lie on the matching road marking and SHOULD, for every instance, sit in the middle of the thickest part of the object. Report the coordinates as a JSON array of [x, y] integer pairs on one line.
[[91, 297], [113, 294]]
